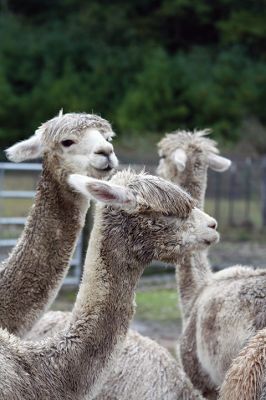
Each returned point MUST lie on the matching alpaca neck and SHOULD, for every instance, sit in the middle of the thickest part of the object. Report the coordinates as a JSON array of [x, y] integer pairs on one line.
[[193, 271], [192, 274], [104, 305], [194, 181], [38, 263], [109, 279]]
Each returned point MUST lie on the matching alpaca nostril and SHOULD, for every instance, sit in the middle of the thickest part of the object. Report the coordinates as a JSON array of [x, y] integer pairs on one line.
[[213, 225], [102, 153]]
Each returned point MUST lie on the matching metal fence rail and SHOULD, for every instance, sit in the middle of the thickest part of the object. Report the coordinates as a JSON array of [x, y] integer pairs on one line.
[[74, 277]]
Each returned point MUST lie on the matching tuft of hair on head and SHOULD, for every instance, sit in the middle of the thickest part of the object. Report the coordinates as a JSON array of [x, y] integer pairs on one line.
[[158, 195], [174, 145]]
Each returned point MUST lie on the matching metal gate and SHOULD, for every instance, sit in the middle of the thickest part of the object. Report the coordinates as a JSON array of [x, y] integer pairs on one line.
[[6, 244]]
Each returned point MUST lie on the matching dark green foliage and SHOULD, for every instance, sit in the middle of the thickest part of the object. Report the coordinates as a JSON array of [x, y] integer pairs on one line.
[[147, 65]]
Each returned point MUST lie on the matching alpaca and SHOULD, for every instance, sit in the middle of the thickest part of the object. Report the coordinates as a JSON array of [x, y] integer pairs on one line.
[[140, 218], [141, 370], [245, 379], [31, 276], [184, 159], [223, 310]]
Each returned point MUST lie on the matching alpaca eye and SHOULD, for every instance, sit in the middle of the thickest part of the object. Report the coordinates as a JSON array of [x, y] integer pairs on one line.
[[162, 156], [67, 143]]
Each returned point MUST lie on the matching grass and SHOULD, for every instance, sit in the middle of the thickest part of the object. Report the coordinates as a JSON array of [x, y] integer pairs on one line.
[[157, 305], [15, 207]]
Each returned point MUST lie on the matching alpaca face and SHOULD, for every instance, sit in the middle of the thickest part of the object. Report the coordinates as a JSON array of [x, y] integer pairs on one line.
[[147, 217], [75, 143], [153, 235], [91, 153], [178, 149]]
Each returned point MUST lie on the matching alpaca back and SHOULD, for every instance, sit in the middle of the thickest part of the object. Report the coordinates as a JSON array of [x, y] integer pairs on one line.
[[142, 370]]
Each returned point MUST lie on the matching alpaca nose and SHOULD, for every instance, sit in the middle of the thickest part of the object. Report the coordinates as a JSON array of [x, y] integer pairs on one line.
[[103, 153], [213, 224], [106, 151]]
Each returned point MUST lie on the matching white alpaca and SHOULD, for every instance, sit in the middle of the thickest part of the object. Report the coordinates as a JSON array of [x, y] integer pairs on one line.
[[142, 218], [32, 274]]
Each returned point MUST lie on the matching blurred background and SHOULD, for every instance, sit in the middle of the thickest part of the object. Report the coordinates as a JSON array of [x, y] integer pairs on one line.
[[149, 67]]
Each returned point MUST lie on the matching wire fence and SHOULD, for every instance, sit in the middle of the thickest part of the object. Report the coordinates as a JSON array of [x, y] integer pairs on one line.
[[237, 199]]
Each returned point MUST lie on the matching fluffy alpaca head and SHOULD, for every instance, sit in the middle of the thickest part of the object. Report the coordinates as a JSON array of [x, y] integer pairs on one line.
[[155, 218], [176, 148], [79, 142]]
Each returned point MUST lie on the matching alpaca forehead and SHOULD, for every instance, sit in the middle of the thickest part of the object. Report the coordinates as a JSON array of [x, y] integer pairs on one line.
[[92, 137], [74, 125]]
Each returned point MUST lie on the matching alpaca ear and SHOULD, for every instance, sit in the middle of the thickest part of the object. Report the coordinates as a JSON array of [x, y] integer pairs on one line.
[[25, 150], [180, 159], [105, 192], [61, 112], [219, 163]]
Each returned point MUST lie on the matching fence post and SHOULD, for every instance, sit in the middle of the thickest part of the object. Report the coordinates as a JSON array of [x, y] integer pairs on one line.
[[232, 191], [217, 208], [248, 191], [263, 191], [2, 172]]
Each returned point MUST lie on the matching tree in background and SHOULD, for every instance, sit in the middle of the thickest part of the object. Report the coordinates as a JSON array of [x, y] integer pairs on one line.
[[147, 65]]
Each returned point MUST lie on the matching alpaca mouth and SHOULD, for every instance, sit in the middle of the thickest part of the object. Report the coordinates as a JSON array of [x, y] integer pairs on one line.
[[104, 170], [108, 168], [213, 240]]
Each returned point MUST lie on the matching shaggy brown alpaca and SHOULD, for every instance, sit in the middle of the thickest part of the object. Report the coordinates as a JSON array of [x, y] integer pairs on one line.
[[171, 383], [32, 274], [140, 218]]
